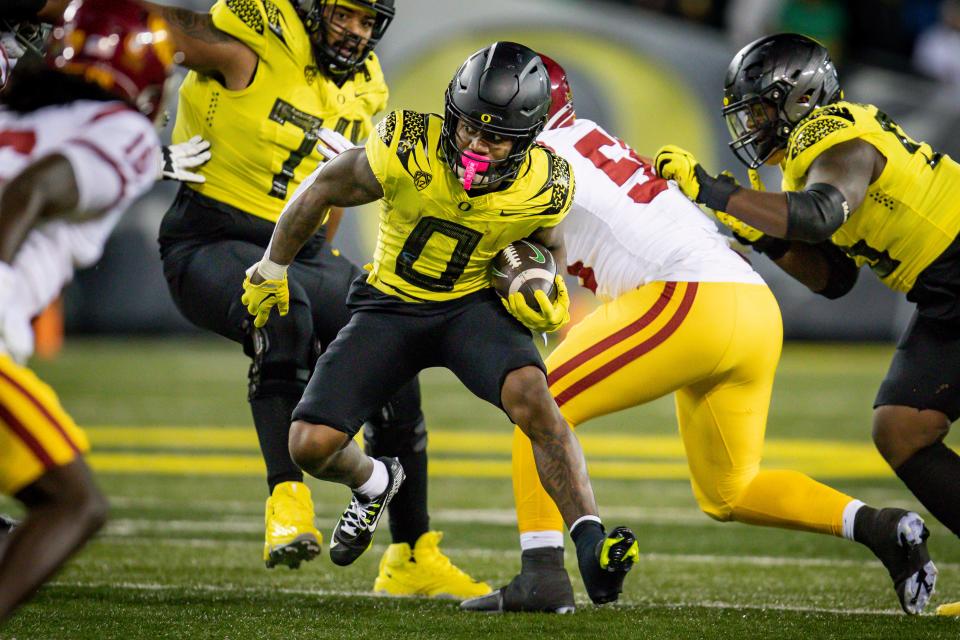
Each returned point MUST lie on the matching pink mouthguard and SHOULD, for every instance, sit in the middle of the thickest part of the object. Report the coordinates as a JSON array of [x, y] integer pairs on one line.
[[472, 164]]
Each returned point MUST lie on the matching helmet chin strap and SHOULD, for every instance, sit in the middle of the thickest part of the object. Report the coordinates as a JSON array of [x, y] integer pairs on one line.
[[472, 165]]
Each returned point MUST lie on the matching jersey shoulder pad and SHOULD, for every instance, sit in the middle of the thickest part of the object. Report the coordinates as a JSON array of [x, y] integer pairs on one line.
[[246, 20], [558, 186], [404, 131], [399, 147], [822, 129]]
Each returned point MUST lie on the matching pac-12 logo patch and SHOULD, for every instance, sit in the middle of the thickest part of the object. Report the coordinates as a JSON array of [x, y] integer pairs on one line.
[[421, 179]]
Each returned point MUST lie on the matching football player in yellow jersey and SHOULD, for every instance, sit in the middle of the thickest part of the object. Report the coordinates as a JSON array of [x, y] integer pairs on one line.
[[268, 76], [857, 191], [454, 192]]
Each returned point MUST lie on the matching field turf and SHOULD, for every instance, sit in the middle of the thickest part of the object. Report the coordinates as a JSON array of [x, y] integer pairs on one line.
[[176, 454]]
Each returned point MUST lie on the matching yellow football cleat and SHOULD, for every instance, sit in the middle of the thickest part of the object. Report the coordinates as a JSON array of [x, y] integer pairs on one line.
[[424, 571], [949, 609], [291, 536]]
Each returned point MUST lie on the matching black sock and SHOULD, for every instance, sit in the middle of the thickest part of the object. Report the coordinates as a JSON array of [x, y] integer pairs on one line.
[[408, 510], [271, 416], [933, 475]]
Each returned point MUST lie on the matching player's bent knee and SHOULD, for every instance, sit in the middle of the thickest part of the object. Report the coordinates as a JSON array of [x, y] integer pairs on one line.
[[312, 445], [525, 394], [716, 509], [899, 432]]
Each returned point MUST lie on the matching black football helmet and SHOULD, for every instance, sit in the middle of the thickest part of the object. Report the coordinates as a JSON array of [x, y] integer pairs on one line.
[[350, 52], [772, 84], [503, 89]]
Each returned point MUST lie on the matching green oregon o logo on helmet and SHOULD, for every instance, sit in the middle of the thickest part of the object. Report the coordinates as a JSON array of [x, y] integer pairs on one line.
[[771, 85]]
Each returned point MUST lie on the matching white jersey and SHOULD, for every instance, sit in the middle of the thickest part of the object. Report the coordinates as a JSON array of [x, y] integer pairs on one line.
[[6, 63], [113, 151], [628, 227]]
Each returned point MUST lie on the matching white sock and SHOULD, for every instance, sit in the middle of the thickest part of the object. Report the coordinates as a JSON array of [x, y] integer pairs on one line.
[[376, 483], [540, 539], [849, 516], [584, 519]]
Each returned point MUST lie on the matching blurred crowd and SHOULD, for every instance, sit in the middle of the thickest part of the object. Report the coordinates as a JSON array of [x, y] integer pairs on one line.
[[905, 35]]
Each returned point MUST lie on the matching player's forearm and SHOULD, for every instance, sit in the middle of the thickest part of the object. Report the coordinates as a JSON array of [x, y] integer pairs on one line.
[[46, 189], [563, 472], [766, 211], [19, 211], [298, 222]]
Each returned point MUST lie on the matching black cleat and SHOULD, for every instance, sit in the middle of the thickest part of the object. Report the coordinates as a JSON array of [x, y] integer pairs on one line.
[[354, 531], [605, 563], [899, 539], [542, 586]]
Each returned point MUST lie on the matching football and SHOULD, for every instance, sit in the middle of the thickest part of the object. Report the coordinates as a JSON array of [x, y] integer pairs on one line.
[[524, 266]]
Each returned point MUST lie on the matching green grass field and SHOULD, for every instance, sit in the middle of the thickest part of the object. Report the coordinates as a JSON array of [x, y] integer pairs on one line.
[[176, 453]]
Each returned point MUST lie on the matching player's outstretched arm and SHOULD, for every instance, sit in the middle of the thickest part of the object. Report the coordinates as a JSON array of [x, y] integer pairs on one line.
[[346, 181], [836, 185], [207, 49], [45, 189]]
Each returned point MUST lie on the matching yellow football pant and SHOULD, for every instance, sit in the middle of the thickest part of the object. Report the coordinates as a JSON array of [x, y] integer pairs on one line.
[[36, 434], [716, 346]]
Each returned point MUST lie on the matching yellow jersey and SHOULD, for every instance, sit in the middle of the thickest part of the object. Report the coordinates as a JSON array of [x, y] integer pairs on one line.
[[264, 137], [435, 242], [911, 213]]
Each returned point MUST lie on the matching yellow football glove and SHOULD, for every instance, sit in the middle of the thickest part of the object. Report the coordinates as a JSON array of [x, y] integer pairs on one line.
[[679, 165], [259, 299], [552, 315], [674, 163]]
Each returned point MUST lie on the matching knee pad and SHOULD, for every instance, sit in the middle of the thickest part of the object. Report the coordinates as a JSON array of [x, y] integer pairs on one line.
[[382, 436], [281, 353]]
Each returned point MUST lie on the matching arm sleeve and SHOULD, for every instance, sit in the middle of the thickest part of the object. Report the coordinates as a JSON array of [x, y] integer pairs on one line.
[[562, 190], [843, 271]]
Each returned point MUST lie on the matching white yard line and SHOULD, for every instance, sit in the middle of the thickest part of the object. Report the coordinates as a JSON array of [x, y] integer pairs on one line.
[[513, 554], [231, 589]]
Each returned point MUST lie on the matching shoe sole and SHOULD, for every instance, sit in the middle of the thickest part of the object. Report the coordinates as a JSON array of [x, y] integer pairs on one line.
[[493, 603], [303, 548], [918, 588]]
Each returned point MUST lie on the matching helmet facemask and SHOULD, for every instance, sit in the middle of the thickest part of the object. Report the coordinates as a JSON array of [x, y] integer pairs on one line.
[[337, 48], [476, 171], [757, 126]]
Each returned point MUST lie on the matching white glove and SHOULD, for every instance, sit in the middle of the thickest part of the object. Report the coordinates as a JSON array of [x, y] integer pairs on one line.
[[175, 159], [16, 334], [333, 144]]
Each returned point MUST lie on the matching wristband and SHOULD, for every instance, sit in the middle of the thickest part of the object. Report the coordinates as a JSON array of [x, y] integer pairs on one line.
[[270, 270], [715, 192]]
